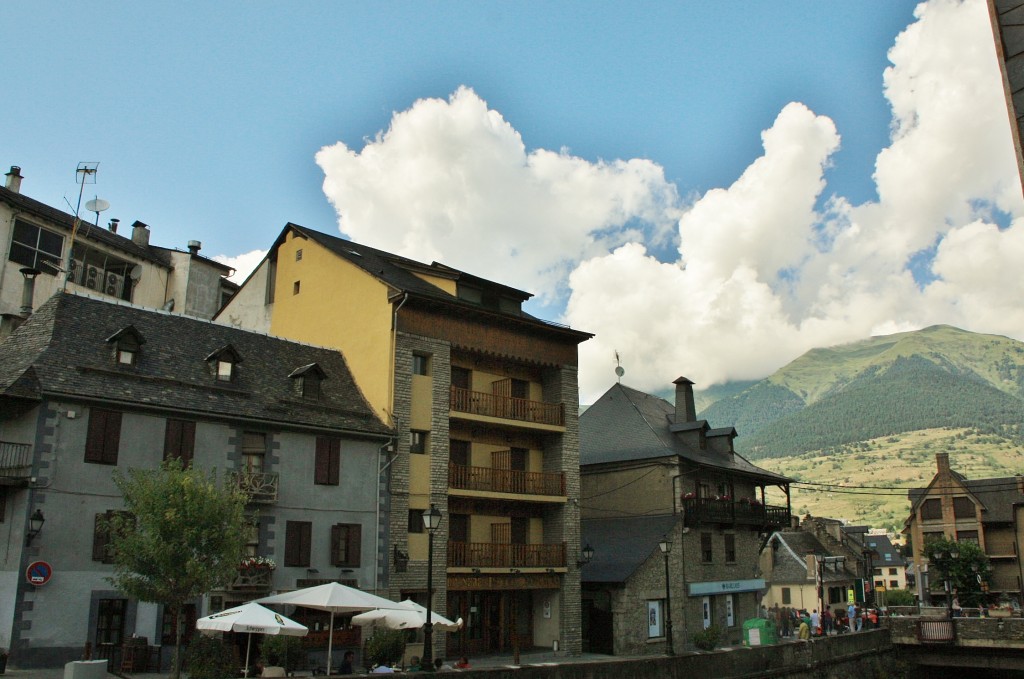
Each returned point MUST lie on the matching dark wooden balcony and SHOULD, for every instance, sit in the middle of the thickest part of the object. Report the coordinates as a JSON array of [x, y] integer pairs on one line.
[[252, 581], [700, 510], [493, 480], [493, 555], [506, 407], [261, 487], [15, 463]]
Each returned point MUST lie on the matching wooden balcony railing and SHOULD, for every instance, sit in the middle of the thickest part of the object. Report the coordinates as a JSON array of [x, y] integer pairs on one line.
[[261, 487], [15, 461], [709, 510], [506, 407], [493, 480], [488, 555]]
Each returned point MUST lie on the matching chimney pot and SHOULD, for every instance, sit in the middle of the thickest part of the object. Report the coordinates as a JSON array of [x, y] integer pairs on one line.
[[14, 179], [113, 224], [140, 234], [194, 246], [686, 409], [28, 290]]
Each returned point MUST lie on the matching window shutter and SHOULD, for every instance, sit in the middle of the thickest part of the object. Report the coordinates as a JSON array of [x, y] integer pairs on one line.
[[334, 462], [336, 531], [112, 437], [172, 439], [95, 438], [100, 538], [321, 474], [297, 543], [188, 442], [306, 538], [355, 540]]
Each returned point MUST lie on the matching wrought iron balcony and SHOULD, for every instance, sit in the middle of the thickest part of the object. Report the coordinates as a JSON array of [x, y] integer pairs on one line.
[[261, 487], [700, 510], [504, 555], [252, 580], [15, 463], [492, 480], [506, 407]]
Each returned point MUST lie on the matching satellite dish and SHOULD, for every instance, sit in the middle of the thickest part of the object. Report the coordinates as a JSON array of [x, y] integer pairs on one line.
[[620, 371], [97, 205], [136, 273]]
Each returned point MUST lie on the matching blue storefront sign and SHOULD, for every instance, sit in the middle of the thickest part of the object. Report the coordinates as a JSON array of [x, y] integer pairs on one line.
[[726, 587]]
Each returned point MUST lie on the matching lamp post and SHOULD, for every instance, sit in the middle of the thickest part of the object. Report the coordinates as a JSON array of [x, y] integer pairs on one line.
[[869, 578], [431, 520], [35, 525], [666, 546]]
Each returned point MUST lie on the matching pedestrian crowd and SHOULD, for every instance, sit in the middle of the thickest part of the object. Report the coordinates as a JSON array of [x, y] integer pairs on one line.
[[799, 623]]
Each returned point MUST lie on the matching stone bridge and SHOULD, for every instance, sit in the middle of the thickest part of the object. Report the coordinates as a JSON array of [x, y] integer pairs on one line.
[[952, 643]]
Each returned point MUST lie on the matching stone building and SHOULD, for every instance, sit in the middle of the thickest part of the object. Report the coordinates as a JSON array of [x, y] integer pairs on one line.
[[484, 400], [802, 573], [88, 386], [46, 250], [982, 511], [644, 459]]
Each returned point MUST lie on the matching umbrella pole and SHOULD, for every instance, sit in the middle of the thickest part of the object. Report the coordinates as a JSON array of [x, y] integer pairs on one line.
[[330, 643], [248, 646]]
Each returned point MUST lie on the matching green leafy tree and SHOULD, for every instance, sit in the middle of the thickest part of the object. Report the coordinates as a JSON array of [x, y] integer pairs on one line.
[[181, 535], [962, 570]]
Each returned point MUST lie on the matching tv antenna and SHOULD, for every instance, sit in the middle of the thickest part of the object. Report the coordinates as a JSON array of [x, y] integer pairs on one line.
[[85, 173], [97, 205], [619, 370]]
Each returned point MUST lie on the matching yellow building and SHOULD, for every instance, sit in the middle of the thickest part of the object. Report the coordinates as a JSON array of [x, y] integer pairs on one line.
[[483, 399]]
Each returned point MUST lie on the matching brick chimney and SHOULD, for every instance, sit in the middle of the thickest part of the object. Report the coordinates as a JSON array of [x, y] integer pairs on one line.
[[14, 179], [140, 234], [686, 410], [942, 462]]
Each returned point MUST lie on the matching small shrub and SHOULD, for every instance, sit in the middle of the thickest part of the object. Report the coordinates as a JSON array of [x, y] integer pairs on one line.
[[210, 658], [900, 597], [707, 639], [282, 651], [386, 646]]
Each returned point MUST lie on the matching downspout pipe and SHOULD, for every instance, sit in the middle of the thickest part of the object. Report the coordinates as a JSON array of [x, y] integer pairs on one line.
[[388, 448]]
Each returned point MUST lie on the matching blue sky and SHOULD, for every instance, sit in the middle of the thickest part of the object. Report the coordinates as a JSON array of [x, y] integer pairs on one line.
[[207, 119]]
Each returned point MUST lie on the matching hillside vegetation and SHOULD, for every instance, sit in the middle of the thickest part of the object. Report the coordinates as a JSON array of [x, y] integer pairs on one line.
[[939, 377], [884, 468]]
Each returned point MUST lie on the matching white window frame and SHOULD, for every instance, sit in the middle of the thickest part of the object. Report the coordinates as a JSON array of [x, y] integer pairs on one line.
[[655, 619]]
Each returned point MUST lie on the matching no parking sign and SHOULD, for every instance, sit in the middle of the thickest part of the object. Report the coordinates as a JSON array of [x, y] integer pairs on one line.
[[38, 573]]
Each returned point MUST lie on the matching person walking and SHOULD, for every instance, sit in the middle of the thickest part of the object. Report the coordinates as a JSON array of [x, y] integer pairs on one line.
[[826, 621], [815, 622], [787, 621], [851, 616]]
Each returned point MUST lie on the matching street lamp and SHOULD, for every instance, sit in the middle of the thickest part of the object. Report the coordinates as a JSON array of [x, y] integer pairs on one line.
[[431, 520], [35, 525], [666, 546]]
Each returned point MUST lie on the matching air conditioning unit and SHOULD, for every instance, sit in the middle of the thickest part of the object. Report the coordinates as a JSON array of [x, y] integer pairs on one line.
[[93, 278], [113, 285]]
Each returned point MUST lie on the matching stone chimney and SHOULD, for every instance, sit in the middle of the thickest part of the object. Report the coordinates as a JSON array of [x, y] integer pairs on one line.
[[942, 462], [1020, 484], [686, 410], [140, 234], [194, 247], [812, 566], [14, 179]]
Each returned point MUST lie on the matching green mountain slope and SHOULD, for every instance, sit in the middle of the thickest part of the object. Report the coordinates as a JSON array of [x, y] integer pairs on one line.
[[936, 377]]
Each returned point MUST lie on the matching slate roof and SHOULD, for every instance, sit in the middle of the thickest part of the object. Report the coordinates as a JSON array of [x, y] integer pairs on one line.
[[62, 352], [790, 566], [621, 545], [997, 496], [397, 272], [85, 230], [887, 553], [627, 424]]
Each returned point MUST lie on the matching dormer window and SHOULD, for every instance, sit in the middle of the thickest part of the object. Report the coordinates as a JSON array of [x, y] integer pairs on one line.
[[224, 362], [127, 343], [307, 381]]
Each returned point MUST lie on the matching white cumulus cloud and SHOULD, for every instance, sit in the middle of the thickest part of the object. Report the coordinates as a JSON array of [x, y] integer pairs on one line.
[[243, 264], [766, 268]]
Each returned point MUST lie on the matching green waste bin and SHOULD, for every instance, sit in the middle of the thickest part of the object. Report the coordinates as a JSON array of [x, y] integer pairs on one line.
[[759, 632]]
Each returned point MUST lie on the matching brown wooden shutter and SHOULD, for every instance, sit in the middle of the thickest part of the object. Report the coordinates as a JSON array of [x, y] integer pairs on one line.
[[188, 442], [336, 531], [334, 462], [172, 439], [306, 542], [96, 437], [297, 543], [112, 437], [321, 472], [100, 538], [355, 541]]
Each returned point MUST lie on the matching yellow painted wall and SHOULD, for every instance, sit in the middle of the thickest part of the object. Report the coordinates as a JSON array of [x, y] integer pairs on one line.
[[419, 481], [480, 455], [536, 531], [545, 629], [482, 380], [338, 305], [480, 526], [422, 400], [418, 546], [446, 284]]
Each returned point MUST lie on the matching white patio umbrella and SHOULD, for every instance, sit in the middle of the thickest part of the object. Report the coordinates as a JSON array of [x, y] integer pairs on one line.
[[251, 618], [333, 597], [411, 615]]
